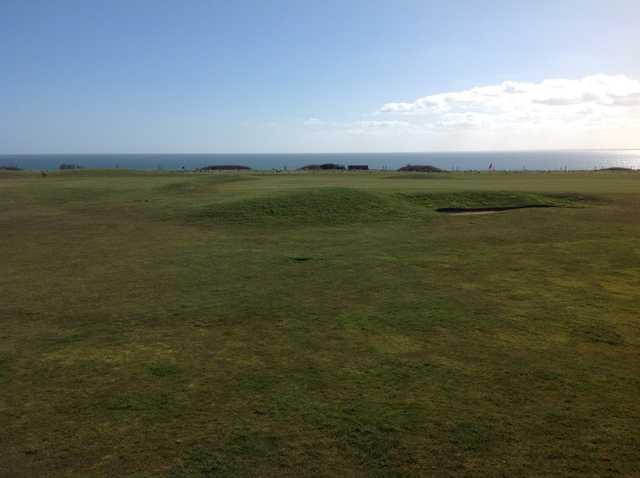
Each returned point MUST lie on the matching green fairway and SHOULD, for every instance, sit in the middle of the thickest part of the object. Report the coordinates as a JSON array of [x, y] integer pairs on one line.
[[319, 324]]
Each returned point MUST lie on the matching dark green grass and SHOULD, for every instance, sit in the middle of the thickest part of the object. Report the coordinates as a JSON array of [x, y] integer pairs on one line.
[[318, 325], [315, 206]]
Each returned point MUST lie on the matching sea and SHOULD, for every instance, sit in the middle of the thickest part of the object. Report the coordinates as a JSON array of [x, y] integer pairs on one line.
[[457, 161]]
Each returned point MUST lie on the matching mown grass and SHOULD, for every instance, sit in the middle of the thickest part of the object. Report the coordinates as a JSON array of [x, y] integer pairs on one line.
[[179, 325]]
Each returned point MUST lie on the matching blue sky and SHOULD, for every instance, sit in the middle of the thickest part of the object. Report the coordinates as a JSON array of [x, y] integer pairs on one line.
[[302, 76]]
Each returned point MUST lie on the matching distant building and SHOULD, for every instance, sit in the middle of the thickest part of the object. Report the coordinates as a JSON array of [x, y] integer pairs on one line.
[[358, 167]]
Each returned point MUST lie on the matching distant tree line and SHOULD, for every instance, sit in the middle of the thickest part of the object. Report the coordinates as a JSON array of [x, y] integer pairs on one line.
[[69, 166], [421, 168], [324, 166], [10, 168], [224, 167], [616, 168]]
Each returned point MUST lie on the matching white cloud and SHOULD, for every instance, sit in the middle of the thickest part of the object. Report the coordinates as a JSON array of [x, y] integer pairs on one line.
[[590, 102], [599, 111]]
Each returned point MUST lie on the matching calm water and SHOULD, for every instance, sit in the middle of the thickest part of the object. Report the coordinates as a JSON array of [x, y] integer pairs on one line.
[[515, 161]]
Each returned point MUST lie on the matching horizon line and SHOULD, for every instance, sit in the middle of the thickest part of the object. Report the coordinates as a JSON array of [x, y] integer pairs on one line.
[[331, 153]]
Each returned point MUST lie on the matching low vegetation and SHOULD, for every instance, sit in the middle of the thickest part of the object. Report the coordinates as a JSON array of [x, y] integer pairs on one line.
[[420, 168], [159, 324], [616, 168], [65, 166], [324, 166], [224, 167]]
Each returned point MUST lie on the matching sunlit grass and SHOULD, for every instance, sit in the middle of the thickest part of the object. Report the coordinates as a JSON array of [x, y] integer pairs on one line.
[[158, 324]]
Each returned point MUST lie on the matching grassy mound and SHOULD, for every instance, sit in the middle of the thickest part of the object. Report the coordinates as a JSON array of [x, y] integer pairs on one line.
[[352, 206], [317, 206]]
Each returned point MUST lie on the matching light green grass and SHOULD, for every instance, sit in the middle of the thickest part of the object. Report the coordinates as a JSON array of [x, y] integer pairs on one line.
[[327, 324]]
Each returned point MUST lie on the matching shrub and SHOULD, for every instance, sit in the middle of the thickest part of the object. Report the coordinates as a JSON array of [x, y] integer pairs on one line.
[[324, 166], [422, 168], [223, 167], [69, 166]]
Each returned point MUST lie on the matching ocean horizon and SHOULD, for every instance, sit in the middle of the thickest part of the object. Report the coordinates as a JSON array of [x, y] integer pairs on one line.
[[572, 160]]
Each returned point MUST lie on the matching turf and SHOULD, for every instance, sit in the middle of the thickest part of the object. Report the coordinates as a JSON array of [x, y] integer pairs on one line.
[[314, 206], [318, 324]]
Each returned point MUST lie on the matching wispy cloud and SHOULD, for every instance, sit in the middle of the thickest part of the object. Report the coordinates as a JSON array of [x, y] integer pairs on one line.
[[313, 122], [360, 127]]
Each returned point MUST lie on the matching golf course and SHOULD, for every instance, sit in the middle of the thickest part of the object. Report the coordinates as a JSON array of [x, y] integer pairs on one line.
[[319, 324]]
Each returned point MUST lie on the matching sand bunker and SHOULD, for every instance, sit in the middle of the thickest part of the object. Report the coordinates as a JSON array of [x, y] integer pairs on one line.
[[486, 210]]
